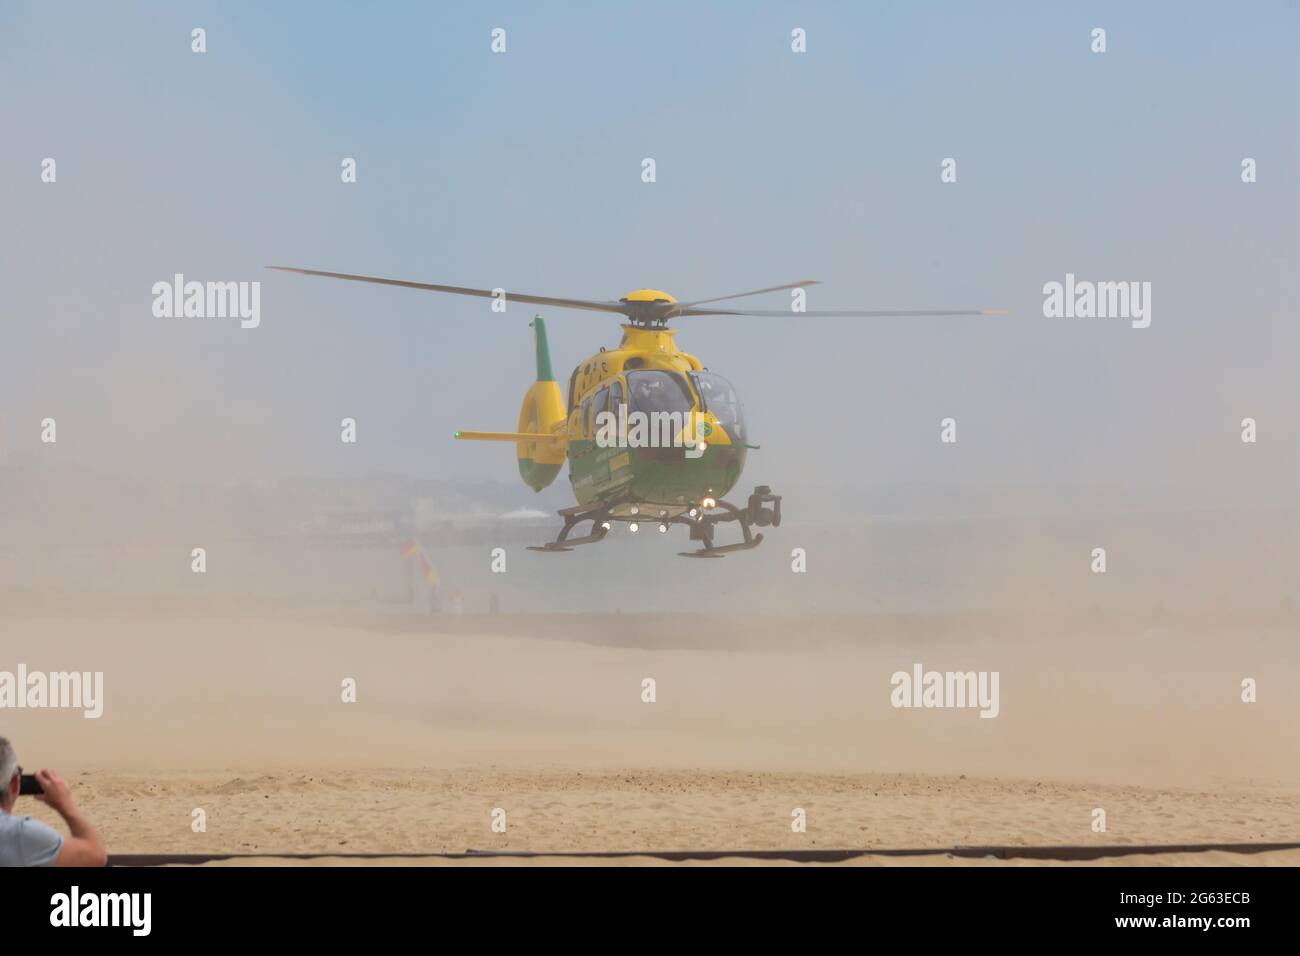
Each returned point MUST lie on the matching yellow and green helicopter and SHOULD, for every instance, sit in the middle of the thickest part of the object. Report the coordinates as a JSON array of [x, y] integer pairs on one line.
[[650, 434]]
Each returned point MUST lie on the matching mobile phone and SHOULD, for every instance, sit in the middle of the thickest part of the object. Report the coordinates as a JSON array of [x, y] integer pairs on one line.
[[29, 786]]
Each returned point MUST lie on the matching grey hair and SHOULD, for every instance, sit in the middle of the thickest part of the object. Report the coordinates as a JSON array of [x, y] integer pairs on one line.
[[8, 764]]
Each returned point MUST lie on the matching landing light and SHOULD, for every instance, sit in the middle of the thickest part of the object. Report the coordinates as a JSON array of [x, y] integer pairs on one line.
[[632, 527], [605, 525], [663, 529], [708, 503]]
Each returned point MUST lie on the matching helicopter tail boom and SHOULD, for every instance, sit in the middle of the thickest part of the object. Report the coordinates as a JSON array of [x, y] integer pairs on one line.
[[509, 436]]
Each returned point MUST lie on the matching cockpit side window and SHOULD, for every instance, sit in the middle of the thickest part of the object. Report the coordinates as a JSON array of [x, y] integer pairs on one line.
[[717, 396], [598, 406]]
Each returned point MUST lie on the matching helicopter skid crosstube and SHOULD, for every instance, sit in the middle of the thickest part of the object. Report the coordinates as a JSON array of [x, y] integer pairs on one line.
[[701, 526]]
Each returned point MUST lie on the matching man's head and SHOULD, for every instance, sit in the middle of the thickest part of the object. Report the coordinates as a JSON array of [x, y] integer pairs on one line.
[[9, 781]]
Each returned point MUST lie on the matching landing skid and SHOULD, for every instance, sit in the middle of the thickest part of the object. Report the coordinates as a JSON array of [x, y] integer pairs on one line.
[[722, 550], [572, 518], [702, 531], [701, 524]]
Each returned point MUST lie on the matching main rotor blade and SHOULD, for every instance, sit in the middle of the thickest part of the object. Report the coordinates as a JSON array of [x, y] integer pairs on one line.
[[588, 304], [851, 314], [741, 295]]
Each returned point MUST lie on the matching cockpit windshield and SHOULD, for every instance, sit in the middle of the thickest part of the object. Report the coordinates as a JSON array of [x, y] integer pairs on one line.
[[720, 398], [652, 390]]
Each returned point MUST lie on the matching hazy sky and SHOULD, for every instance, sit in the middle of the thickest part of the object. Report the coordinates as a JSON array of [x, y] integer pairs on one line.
[[523, 170]]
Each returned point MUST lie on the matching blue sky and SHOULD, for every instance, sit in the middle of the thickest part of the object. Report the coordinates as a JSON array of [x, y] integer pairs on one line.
[[522, 170]]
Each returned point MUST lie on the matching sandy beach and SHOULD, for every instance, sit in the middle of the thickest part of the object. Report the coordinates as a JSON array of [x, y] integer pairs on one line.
[[240, 714], [445, 811]]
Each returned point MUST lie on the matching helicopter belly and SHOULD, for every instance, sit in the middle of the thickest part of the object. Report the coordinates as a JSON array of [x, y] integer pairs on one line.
[[660, 477]]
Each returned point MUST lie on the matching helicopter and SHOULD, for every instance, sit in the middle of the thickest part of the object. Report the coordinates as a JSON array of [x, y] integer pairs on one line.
[[688, 439]]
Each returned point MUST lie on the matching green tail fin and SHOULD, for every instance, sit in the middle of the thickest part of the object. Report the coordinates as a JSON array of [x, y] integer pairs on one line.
[[544, 373]]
